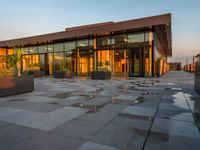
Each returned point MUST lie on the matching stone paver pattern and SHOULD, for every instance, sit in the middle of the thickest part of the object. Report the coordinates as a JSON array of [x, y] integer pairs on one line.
[[118, 114]]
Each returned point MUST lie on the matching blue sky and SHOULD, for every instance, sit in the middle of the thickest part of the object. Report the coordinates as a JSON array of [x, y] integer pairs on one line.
[[21, 18]]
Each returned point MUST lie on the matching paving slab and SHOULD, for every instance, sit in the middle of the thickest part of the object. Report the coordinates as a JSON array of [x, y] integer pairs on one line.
[[47, 141], [128, 122], [120, 137], [41, 99], [56, 118], [126, 97], [174, 127], [31, 106], [171, 142], [97, 101], [81, 129], [139, 111], [21, 117], [175, 107], [95, 146], [5, 111], [100, 116], [11, 135], [175, 115]]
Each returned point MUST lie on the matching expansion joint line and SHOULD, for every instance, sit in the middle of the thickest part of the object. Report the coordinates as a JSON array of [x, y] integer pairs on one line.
[[152, 123]]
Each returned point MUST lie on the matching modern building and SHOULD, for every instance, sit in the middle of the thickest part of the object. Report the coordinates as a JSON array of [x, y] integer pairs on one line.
[[137, 48], [175, 66]]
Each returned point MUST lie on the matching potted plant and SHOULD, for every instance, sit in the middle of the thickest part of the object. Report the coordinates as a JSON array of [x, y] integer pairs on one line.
[[102, 73], [35, 70], [63, 70], [11, 81]]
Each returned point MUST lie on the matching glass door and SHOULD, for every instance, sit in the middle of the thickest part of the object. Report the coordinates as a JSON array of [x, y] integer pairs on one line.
[[82, 62], [136, 62], [43, 63]]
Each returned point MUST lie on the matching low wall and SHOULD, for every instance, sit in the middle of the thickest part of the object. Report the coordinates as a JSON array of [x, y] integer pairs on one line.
[[197, 77], [16, 85]]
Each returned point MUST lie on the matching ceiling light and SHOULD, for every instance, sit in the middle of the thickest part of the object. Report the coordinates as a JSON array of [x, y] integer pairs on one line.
[[82, 44]]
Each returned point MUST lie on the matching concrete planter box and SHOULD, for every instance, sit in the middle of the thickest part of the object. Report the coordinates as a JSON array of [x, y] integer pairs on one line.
[[36, 74], [63, 74], [197, 77], [16, 85], [95, 75]]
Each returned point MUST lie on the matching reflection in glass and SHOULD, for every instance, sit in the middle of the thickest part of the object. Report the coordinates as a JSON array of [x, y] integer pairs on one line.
[[50, 63], [136, 38], [50, 48], [58, 61], [103, 41], [104, 59], [42, 49], [30, 62], [24, 50], [32, 50], [91, 42], [68, 60], [69, 46], [82, 43], [120, 62], [82, 62], [118, 40], [58, 47], [10, 51]]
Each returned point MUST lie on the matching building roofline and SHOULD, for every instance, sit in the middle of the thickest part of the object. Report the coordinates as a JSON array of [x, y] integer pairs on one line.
[[92, 29]]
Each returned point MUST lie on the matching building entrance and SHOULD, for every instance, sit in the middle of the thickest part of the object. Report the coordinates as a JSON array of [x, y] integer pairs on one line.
[[136, 62]]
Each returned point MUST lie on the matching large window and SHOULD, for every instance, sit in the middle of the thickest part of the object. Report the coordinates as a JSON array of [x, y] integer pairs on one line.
[[2, 52], [58, 47], [42, 49], [136, 38], [70, 46], [148, 61], [91, 42], [118, 40], [120, 61], [105, 59], [24, 50], [82, 43], [10, 51], [32, 50], [50, 48], [103, 41], [82, 62], [58, 61]]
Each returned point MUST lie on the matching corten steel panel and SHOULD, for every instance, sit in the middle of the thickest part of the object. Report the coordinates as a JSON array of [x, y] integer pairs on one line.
[[98, 29]]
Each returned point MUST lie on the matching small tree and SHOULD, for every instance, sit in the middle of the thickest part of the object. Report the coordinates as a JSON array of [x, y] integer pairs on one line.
[[14, 63], [100, 64]]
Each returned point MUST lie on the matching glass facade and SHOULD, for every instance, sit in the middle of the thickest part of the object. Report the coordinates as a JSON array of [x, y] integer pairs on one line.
[[126, 54]]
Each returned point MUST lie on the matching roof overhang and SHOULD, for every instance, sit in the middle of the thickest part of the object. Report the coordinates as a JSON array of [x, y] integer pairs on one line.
[[88, 30]]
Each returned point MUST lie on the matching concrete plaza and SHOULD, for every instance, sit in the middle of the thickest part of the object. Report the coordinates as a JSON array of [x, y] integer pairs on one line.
[[118, 114]]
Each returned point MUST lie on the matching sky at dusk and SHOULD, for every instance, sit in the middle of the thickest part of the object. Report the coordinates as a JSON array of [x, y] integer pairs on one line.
[[21, 18]]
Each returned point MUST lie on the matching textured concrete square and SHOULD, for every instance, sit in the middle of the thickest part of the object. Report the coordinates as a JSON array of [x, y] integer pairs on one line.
[[95, 146], [139, 111], [50, 117], [174, 127], [5, 111], [126, 97]]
